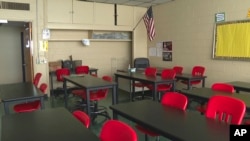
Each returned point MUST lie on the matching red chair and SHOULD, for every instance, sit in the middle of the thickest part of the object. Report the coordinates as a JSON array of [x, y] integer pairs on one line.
[[178, 69], [82, 117], [166, 74], [95, 96], [30, 106], [82, 70], [62, 72], [226, 109], [114, 130], [172, 99], [59, 77], [196, 71], [223, 87], [150, 72], [37, 79]]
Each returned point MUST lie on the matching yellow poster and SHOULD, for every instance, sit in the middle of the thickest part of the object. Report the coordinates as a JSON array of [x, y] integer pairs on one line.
[[248, 13]]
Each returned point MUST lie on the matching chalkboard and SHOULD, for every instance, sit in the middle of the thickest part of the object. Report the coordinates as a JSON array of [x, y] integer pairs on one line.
[[232, 40]]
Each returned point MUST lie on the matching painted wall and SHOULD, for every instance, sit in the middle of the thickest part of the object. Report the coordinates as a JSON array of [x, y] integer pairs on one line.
[[190, 26], [10, 55]]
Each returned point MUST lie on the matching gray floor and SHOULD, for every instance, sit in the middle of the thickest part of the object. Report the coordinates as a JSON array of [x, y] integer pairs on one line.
[[97, 124]]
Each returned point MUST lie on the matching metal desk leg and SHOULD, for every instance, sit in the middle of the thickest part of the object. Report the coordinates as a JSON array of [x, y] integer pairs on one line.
[[42, 103], [6, 108], [88, 102], [203, 82], [189, 85], [65, 93], [155, 97], [114, 95]]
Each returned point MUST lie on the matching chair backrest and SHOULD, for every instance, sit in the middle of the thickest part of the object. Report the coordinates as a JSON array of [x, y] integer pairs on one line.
[[175, 99], [37, 78], [82, 117], [141, 62], [198, 71], [114, 130], [62, 72], [226, 109], [67, 64], [150, 71], [43, 87], [82, 70], [168, 74], [178, 69], [224, 87]]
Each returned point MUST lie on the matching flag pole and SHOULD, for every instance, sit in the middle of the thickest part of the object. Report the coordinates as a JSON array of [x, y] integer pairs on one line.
[[138, 23], [140, 20]]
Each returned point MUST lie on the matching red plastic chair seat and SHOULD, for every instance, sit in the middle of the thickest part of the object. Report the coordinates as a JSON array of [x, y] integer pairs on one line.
[[82, 117], [27, 107], [115, 130]]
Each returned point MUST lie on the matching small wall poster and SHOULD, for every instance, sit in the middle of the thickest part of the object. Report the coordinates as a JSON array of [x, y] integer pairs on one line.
[[167, 51]]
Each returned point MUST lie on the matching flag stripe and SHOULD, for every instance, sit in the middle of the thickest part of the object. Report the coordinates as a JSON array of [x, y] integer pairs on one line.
[[149, 23]]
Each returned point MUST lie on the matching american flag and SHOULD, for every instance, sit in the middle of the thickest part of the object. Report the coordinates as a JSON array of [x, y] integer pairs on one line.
[[149, 22]]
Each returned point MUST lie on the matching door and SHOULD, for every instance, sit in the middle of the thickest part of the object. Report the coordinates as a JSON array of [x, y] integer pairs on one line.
[[26, 53]]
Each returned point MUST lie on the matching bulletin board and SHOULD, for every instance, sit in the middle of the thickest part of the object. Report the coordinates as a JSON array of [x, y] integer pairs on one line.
[[232, 40]]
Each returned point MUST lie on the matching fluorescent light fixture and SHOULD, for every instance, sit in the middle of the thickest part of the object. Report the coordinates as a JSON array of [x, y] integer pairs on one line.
[[3, 21]]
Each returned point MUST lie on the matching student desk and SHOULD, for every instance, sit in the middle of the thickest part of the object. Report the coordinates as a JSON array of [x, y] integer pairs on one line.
[[172, 123], [240, 86], [138, 76], [55, 124], [89, 83], [204, 94]]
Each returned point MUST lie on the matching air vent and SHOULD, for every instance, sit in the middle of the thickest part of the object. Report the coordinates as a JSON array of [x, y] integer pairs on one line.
[[14, 5]]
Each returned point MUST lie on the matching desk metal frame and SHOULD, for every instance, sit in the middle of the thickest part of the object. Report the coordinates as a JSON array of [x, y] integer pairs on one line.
[[240, 86]]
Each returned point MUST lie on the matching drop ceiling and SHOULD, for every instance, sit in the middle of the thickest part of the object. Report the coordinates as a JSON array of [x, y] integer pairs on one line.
[[139, 3]]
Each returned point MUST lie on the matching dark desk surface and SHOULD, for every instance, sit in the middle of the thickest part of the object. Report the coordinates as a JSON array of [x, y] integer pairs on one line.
[[240, 86], [138, 76], [47, 125], [205, 94], [17, 91], [88, 81], [172, 123]]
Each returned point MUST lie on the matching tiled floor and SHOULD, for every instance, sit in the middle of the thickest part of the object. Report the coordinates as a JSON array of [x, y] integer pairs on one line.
[[97, 125]]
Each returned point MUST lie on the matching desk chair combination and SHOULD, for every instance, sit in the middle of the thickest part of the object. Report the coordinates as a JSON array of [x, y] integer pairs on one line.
[[37, 79], [223, 87], [172, 99], [149, 72], [161, 88], [115, 130], [82, 117], [95, 96], [226, 109], [30, 106], [196, 71]]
